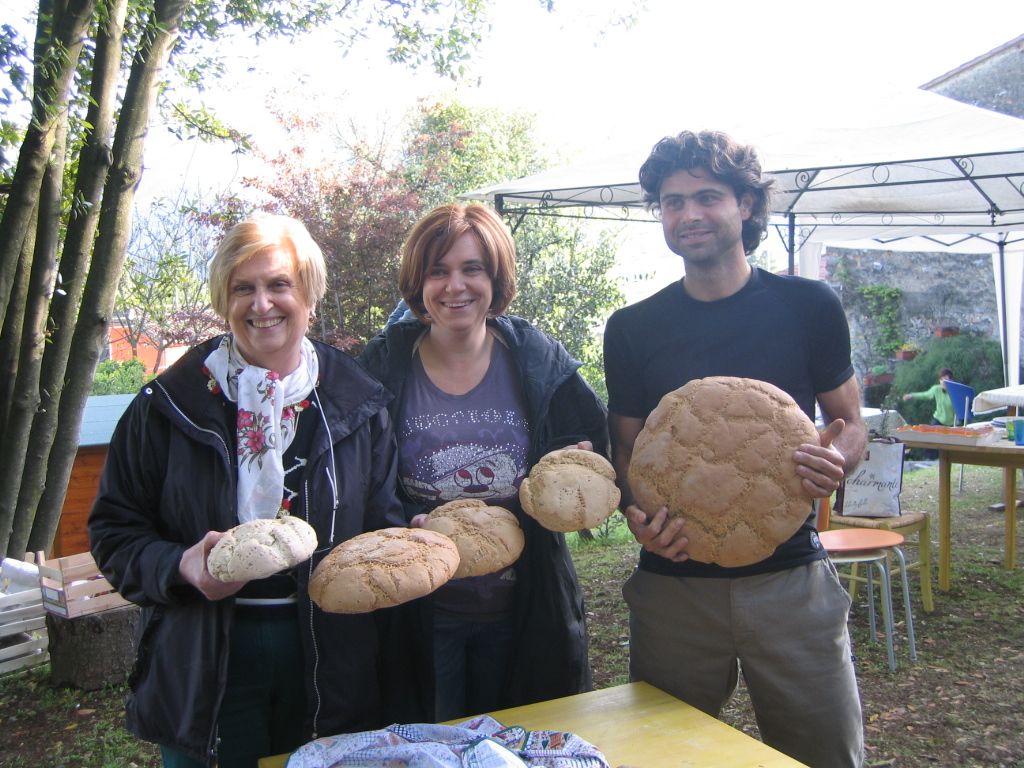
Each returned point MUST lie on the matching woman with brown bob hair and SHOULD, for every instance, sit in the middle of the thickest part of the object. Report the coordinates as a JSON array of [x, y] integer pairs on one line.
[[480, 397]]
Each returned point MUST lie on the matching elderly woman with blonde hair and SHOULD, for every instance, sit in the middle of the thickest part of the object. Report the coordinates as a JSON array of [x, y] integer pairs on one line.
[[254, 424]]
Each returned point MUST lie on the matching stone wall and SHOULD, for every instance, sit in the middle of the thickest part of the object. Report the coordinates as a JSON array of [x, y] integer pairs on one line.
[[939, 289]]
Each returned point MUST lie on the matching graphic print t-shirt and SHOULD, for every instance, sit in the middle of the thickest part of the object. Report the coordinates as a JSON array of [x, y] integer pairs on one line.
[[470, 446]]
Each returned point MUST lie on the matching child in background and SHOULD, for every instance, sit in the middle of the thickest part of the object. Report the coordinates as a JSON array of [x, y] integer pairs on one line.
[[943, 413]]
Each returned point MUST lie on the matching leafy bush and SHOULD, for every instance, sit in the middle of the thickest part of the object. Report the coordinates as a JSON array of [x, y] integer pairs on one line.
[[118, 378], [974, 360]]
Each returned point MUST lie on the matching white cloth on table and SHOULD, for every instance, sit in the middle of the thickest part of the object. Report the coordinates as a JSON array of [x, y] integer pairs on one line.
[[1003, 397]]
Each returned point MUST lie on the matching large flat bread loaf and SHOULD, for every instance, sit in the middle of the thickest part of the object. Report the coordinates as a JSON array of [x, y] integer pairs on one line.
[[489, 538], [570, 489], [261, 548], [719, 452], [383, 568]]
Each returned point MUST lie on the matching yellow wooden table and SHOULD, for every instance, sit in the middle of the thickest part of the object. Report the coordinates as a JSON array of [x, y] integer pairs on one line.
[[639, 725], [1001, 453]]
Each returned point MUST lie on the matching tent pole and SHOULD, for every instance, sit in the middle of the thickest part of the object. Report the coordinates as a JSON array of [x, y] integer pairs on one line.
[[791, 247], [1002, 297]]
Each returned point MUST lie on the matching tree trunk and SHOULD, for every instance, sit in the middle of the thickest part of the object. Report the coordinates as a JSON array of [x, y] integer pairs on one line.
[[93, 165], [56, 62], [108, 256], [49, 103], [25, 404], [12, 326], [92, 651]]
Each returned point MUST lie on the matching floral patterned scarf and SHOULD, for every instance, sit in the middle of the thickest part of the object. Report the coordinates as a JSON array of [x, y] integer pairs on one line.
[[267, 414]]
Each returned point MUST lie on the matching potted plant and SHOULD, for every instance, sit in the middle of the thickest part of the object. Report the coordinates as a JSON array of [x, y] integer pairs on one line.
[[907, 352], [878, 375]]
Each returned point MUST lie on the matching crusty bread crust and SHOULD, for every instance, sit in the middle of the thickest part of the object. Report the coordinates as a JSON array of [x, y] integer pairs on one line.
[[719, 452], [488, 538], [570, 489], [261, 548], [383, 568]]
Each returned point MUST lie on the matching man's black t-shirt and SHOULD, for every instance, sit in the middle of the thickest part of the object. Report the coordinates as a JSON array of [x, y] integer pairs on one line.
[[788, 331]]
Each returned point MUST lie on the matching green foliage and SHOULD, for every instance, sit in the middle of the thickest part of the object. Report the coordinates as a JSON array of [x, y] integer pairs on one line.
[[361, 208], [883, 311], [612, 532], [14, 90], [451, 148], [565, 288], [422, 33], [974, 360], [118, 378]]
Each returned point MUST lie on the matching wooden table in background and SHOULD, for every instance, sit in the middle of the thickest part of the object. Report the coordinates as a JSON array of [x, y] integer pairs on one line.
[[639, 725], [1003, 454]]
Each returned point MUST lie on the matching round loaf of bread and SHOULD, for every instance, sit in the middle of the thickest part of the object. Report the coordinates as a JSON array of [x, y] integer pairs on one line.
[[719, 452], [261, 548], [569, 490], [488, 538], [383, 568]]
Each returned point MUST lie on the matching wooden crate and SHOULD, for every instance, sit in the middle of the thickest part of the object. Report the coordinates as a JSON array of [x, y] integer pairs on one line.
[[23, 641], [73, 586]]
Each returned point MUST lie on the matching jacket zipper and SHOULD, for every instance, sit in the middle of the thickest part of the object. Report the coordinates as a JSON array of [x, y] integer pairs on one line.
[[312, 627], [224, 445]]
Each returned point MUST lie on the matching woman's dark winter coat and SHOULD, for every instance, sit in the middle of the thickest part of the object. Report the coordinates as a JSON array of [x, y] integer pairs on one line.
[[551, 658], [170, 477]]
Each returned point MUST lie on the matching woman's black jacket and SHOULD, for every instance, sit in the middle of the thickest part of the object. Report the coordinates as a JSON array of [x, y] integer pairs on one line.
[[170, 477], [551, 658]]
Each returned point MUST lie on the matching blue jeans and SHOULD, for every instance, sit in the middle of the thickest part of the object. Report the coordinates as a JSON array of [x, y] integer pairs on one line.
[[471, 659], [264, 703]]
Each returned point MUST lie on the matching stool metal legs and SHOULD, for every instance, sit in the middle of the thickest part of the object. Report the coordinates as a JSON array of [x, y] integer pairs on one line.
[[879, 559]]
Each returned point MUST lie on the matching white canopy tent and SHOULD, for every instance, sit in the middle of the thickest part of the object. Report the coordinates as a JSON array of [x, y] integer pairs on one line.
[[913, 165]]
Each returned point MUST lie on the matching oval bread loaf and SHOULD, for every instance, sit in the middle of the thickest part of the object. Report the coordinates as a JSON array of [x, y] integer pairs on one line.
[[569, 490], [719, 452], [488, 538], [261, 548], [383, 568]]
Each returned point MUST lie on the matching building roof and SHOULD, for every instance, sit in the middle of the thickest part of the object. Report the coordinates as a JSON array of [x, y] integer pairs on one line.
[[101, 415], [932, 84]]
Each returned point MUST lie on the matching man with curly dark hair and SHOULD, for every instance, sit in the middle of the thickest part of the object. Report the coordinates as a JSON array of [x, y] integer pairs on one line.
[[695, 626]]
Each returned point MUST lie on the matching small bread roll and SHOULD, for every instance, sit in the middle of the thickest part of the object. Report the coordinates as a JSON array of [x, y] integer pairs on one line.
[[383, 568], [719, 452], [261, 548], [569, 490], [488, 538]]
